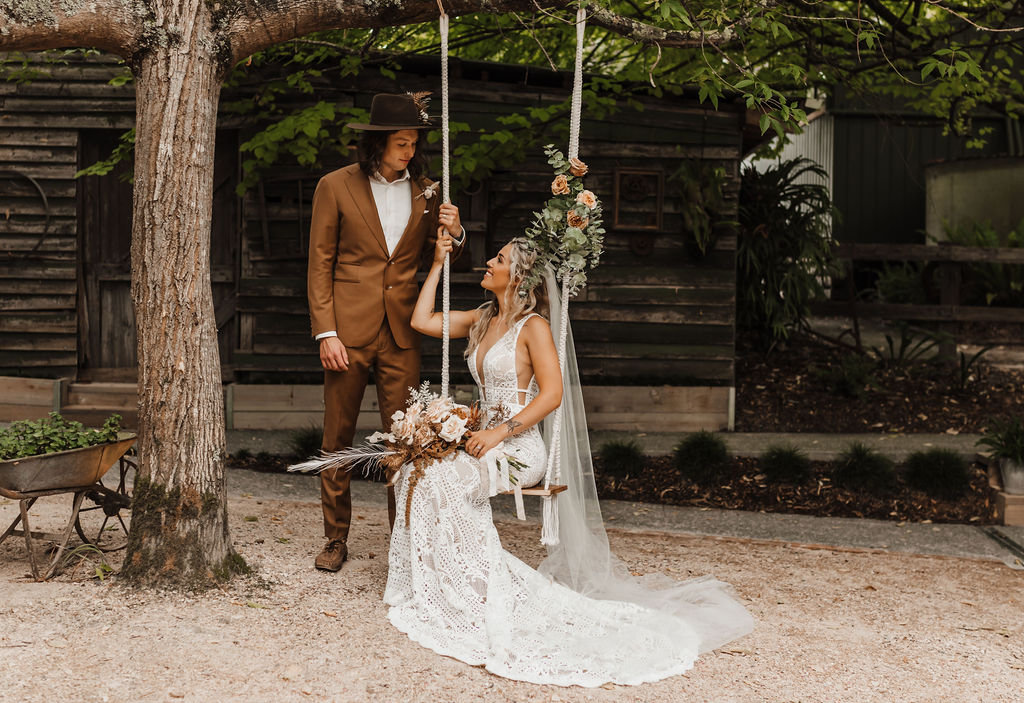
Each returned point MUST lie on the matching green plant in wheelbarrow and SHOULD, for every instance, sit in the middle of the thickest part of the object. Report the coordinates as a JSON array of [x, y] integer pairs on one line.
[[1005, 440], [53, 456], [53, 434]]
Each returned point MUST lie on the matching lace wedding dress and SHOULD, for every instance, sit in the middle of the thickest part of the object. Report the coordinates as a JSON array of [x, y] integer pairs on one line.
[[451, 587]]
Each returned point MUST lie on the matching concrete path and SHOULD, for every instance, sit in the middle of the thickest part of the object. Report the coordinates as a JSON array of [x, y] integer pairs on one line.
[[1004, 544]]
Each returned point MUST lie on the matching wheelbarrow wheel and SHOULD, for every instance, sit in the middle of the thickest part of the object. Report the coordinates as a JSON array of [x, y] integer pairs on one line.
[[103, 519]]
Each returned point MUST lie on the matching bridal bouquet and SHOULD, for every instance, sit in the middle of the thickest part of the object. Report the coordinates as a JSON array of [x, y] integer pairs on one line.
[[429, 430]]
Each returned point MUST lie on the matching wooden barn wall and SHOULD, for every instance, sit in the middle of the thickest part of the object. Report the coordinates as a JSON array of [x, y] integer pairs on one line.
[[39, 140], [653, 313]]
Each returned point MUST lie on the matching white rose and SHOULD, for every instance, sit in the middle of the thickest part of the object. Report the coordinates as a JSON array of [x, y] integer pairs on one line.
[[398, 416], [378, 437], [452, 429]]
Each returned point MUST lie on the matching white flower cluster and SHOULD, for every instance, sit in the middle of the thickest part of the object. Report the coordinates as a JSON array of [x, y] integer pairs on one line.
[[428, 418]]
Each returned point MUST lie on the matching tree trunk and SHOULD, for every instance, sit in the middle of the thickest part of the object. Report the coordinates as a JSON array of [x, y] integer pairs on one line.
[[179, 534]]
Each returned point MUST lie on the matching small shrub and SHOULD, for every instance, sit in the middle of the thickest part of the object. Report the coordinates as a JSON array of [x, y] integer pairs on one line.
[[306, 442], [850, 377], [264, 458], [785, 463], [620, 459], [913, 347], [861, 468], [243, 455], [941, 473], [702, 457]]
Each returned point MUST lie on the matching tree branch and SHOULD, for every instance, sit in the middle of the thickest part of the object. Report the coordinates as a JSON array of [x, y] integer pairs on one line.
[[252, 27], [34, 25], [649, 34]]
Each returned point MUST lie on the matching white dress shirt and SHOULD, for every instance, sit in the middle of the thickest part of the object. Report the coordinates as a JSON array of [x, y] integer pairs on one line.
[[394, 208]]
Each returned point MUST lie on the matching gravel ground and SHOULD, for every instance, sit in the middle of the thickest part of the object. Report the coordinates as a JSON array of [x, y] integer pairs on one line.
[[832, 625]]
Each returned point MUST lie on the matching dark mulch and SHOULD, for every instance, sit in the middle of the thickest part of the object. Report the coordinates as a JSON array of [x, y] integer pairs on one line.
[[785, 392], [745, 488]]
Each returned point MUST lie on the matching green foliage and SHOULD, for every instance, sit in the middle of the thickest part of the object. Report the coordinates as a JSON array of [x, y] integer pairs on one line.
[[970, 367], [991, 284], [901, 283], [941, 473], [1005, 439], [621, 459], [53, 434], [702, 203], [702, 457], [861, 468], [307, 136], [785, 463], [568, 233], [914, 346], [306, 442], [784, 248], [124, 151], [850, 378]]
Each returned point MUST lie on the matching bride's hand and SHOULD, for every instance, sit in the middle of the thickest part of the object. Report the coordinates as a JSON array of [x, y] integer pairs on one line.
[[444, 246], [479, 443]]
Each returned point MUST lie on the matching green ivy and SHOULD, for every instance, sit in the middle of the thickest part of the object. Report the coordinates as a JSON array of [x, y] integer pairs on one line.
[[53, 434]]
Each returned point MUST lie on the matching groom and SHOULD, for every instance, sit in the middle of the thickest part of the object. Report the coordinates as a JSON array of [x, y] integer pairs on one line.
[[373, 223]]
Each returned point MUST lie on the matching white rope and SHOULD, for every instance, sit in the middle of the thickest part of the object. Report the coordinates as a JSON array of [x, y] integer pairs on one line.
[[554, 471], [577, 87], [445, 198]]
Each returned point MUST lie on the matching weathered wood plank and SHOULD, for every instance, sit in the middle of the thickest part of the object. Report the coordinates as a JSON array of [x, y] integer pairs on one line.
[[45, 322], [11, 303], [8, 228], [946, 313], [53, 154], [36, 137], [22, 286], [928, 252], [15, 390], [37, 341]]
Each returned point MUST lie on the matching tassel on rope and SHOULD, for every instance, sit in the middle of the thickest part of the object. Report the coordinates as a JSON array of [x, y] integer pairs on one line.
[[549, 529]]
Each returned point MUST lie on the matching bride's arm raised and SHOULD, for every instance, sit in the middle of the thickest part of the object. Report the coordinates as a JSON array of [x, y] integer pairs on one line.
[[544, 359], [424, 319]]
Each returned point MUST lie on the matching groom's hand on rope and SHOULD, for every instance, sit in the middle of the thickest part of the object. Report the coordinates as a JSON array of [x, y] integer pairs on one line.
[[448, 217], [333, 355]]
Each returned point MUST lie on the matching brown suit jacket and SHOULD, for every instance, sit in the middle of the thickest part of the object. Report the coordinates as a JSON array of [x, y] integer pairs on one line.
[[352, 283]]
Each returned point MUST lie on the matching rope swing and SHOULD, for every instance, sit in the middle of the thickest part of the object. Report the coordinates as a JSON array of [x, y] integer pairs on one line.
[[549, 532]]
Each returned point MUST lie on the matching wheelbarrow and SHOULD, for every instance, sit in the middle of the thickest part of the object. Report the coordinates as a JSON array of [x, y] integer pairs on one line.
[[79, 472]]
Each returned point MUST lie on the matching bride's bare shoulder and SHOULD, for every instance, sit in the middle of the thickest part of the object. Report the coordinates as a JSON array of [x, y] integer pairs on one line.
[[537, 330]]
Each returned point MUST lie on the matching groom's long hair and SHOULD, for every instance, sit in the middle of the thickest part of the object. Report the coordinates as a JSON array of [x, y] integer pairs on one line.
[[521, 260], [371, 148]]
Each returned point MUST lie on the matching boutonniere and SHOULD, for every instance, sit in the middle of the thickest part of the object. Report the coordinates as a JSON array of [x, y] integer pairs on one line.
[[429, 192]]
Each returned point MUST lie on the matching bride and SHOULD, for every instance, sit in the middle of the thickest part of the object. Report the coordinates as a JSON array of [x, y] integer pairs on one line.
[[581, 619]]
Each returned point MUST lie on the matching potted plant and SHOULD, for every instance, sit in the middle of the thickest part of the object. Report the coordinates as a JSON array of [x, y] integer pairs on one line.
[[1006, 440]]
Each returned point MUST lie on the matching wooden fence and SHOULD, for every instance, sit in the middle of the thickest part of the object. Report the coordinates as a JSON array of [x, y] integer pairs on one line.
[[951, 261]]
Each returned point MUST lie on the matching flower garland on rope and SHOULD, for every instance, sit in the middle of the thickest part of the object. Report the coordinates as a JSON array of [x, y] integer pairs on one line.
[[568, 233]]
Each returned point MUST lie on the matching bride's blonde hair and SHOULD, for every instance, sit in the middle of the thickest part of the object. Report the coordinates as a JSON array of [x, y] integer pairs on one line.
[[522, 259]]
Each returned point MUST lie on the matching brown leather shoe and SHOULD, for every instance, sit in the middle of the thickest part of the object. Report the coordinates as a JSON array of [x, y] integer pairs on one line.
[[333, 556]]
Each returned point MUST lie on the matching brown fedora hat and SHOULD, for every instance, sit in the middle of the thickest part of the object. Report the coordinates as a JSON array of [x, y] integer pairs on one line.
[[389, 112]]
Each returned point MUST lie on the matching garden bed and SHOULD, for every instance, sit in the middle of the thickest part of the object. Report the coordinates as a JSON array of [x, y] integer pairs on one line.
[[661, 482], [799, 389]]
